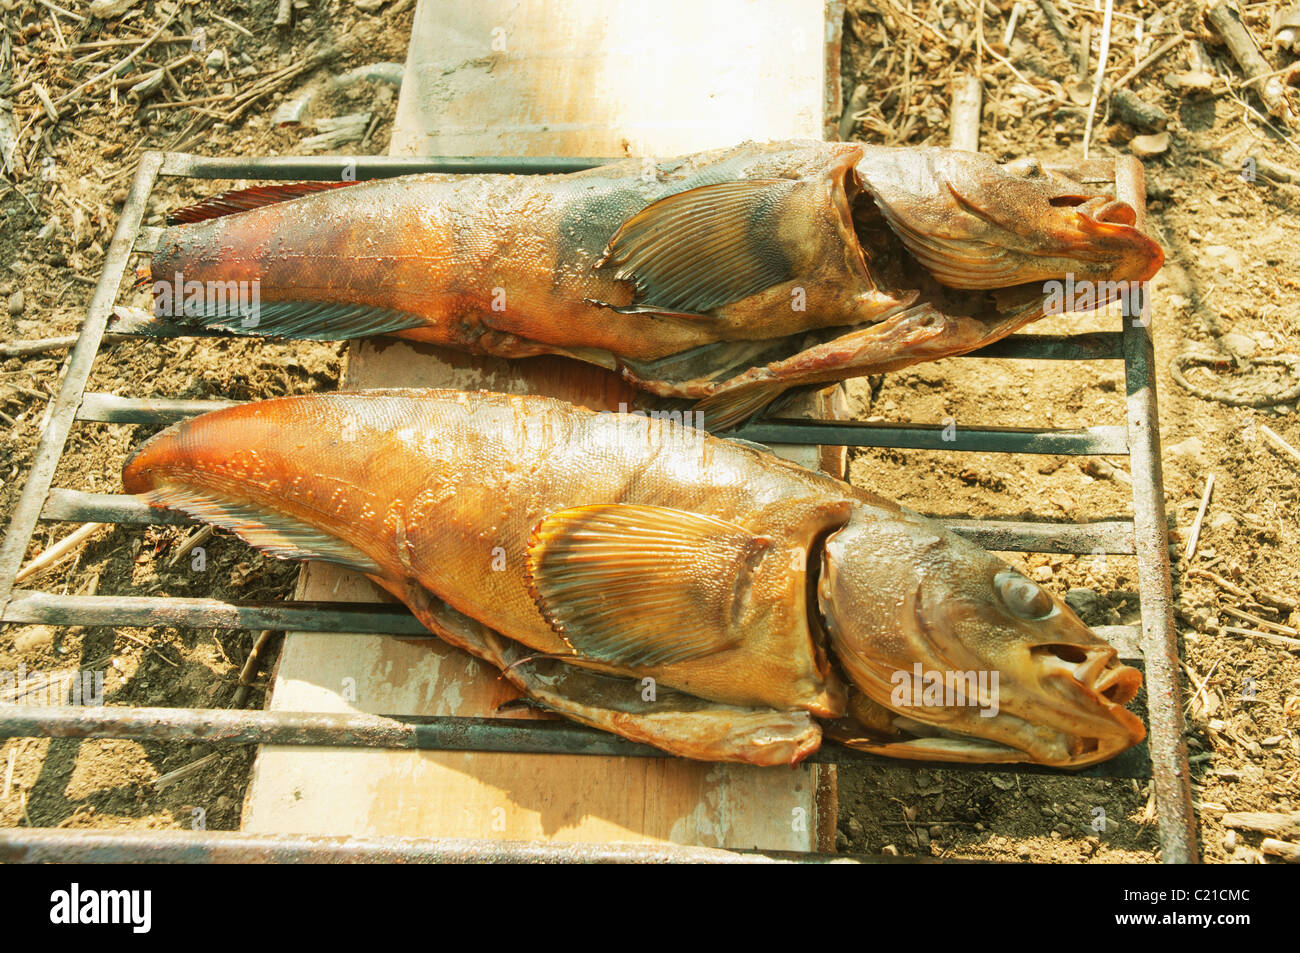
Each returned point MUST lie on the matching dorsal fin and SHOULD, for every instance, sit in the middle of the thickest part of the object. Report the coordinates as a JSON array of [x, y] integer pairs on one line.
[[241, 200]]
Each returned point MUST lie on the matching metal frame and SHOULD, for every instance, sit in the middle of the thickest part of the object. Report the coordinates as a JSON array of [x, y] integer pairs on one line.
[[49, 846], [1145, 536]]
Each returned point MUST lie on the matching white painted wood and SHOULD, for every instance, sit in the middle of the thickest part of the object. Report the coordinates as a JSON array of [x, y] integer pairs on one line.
[[565, 77]]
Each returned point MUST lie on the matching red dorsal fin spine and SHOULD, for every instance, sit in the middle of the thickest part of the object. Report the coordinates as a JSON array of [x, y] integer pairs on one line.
[[241, 200]]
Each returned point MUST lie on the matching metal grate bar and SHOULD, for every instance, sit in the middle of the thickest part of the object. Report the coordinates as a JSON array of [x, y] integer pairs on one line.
[[1104, 440], [61, 846], [1100, 171], [368, 167], [109, 408], [77, 506], [1113, 440], [351, 618], [1091, 346], [43, 608], [425, 733], [1167, 740], [1107, 536]]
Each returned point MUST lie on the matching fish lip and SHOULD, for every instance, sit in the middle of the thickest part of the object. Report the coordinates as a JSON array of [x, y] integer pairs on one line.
[[1100, 224], [1082, 748]]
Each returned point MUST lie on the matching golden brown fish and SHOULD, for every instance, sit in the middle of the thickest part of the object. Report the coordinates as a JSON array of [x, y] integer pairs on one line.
[[583, 553], [729, 276]]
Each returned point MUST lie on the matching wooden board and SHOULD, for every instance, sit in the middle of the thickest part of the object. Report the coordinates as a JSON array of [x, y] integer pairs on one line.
[[574, 77]]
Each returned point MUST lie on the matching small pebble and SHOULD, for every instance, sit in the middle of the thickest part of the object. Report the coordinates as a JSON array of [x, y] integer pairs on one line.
[[16, 304], [1148, 147], [1230, 841]]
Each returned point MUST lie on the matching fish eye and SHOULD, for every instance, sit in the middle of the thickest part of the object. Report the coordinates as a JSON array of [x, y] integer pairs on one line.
[[1022, 597], [1026, 168]]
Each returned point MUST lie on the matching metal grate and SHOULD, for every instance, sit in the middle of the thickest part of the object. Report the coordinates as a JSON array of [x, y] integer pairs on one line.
[[1153, 644]]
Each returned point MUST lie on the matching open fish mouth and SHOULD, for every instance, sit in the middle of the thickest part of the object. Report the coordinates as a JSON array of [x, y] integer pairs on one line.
[[915, 734], [1077, 718], [974, 225], [1098, 240], [947, 668], [903, 735]]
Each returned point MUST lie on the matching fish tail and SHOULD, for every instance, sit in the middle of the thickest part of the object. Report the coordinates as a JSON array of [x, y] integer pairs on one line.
[[267, 270], [188, 468]]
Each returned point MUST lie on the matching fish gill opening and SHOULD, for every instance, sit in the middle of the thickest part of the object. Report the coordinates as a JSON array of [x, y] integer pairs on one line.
[[817, 633], [895, 270]]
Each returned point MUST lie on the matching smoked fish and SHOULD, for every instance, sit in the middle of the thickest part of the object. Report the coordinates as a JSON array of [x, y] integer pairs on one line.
[[582, 553], [727, 277]]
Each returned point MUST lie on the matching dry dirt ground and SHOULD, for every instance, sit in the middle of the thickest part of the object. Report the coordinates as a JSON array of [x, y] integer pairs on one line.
[[1229, 288]]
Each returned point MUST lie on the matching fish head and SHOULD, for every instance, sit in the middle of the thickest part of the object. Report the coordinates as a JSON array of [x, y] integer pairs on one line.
[[962, 657], [975, 224]]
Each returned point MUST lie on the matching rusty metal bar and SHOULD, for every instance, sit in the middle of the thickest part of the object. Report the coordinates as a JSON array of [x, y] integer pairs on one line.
[[1099, 441], [1092, 346], [368, 167], [1104, 440], [76, 506], [109, 408], [1103, 536], [62, 410], [1172, 780], [54, 846], [363, 618], [1101, 171], [43, 608], [423, 733]]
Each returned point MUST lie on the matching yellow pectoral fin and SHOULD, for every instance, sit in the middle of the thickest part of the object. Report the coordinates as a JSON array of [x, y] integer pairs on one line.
[[642, 585], [702, 248]]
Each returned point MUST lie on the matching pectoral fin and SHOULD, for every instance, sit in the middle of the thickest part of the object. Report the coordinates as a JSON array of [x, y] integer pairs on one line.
[[642, 585], [702, 248]]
